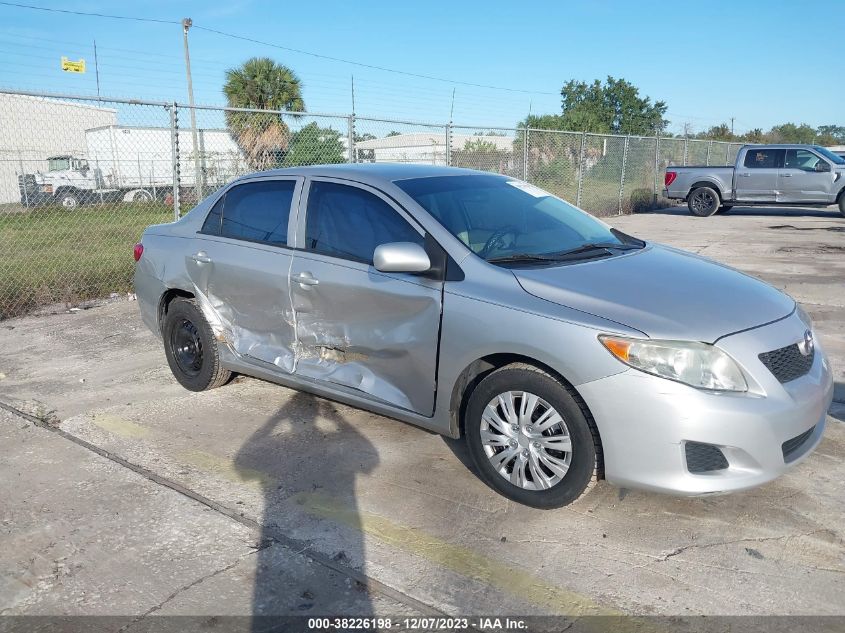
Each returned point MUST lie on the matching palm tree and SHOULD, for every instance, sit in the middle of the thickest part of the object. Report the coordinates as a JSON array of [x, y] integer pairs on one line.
[[263, 84]]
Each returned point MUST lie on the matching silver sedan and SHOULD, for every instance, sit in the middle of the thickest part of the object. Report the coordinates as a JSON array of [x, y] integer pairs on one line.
[[479, 306]]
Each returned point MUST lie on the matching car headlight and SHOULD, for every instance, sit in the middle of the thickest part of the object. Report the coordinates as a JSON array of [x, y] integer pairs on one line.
[[805, 318], [695, 364]]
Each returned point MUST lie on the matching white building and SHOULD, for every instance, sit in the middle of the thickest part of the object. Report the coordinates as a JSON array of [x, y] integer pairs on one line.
[[34, 128], [424, 148]]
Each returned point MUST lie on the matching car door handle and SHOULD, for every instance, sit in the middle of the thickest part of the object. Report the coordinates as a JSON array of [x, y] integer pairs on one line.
[[745, 175], [305, 279], [201, 258]]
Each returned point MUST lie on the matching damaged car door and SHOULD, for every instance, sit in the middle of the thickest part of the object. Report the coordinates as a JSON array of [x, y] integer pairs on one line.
[[356, 327], [239, 264]]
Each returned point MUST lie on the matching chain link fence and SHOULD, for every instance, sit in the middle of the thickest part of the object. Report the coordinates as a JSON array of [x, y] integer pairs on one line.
[[80, 178]]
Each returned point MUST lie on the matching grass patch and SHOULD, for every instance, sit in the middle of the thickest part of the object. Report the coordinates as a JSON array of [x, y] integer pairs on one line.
[[50, 254]]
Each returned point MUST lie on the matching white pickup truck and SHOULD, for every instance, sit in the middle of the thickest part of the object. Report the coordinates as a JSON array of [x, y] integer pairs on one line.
[[803, 175]]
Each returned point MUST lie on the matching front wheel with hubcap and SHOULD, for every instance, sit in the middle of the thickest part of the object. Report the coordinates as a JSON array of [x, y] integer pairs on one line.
[[842, 204], [703, 202], [69, 200], [529, 438], [190, 347]]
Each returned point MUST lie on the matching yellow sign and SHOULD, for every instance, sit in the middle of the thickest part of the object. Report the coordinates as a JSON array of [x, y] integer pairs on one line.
[[73, 67]]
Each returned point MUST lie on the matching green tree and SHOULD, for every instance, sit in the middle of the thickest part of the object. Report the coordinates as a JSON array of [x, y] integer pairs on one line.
[[721, 132], [263, 84], [479, 145], [754, 136], [611, 107], [791, 133], [830, 134], [481, 153], [314, 145]]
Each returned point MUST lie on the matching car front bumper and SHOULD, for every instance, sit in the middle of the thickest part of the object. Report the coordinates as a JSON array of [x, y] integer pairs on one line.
[[646, 421]]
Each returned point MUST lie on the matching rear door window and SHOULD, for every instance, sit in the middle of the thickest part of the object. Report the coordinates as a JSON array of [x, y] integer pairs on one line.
[[253, 211], [764, 158], [258, 211]]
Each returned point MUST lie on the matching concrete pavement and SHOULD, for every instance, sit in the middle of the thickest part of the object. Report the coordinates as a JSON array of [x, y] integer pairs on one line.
[[375, 500]]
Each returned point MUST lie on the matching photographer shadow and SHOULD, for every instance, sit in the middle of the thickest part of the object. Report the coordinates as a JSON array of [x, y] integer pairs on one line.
[[307, 457]]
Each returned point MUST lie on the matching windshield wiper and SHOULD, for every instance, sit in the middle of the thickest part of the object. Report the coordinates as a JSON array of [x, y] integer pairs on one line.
[[572, 253], [523, 257], [596, 246]]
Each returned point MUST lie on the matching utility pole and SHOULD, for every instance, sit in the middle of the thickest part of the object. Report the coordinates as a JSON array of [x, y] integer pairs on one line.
[[97, 69], [186, 24], [732, 126]]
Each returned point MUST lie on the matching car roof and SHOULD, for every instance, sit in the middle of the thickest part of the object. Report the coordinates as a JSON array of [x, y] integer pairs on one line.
[[781, 146], [371, 172]]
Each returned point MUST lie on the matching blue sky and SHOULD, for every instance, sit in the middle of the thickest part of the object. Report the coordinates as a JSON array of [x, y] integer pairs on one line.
[[761, 62]]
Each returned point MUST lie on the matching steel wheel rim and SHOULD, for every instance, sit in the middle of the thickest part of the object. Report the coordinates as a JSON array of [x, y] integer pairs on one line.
[[526, 440], [186, 345], [703, 201], [69, 202]]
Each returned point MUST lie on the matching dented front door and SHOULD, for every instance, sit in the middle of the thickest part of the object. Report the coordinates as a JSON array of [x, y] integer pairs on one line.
[[356, 327]]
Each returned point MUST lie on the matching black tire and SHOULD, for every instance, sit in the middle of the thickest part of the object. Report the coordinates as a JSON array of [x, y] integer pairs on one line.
[[703, 202], [584, 465], [842, 204], [190, 347]]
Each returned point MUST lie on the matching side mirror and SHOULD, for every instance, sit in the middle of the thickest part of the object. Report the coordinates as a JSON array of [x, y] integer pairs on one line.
[[822, 166], [401, 257]]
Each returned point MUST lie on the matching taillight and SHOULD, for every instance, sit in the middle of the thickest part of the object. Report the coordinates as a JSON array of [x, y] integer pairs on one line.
[[669, 178], [138, 251]]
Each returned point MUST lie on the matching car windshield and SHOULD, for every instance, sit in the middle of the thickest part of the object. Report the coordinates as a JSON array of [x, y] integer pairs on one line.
[[833, 158], [502, 219], [58, 163]]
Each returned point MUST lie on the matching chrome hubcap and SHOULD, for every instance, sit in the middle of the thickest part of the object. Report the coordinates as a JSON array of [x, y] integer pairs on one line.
[[526, 440]]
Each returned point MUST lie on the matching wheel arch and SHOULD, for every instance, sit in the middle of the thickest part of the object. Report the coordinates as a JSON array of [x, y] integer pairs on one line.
[[167, 298], [63, 189], [710, 185], [477, 370]]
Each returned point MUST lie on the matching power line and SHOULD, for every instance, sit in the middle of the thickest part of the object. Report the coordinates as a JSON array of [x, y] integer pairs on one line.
[[371, 66], [88, 14], [284, 48]]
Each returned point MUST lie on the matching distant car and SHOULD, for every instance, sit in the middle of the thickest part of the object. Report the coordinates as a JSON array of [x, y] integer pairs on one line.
[[806, 175], [480, 306]]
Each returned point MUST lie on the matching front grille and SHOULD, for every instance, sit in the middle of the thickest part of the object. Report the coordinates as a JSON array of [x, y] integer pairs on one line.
[[787, 363], [792, 446], [702, 458], [27, 184]]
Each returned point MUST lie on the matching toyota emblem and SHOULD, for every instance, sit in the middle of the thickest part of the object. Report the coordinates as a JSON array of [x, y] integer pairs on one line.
[[807, 345]]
